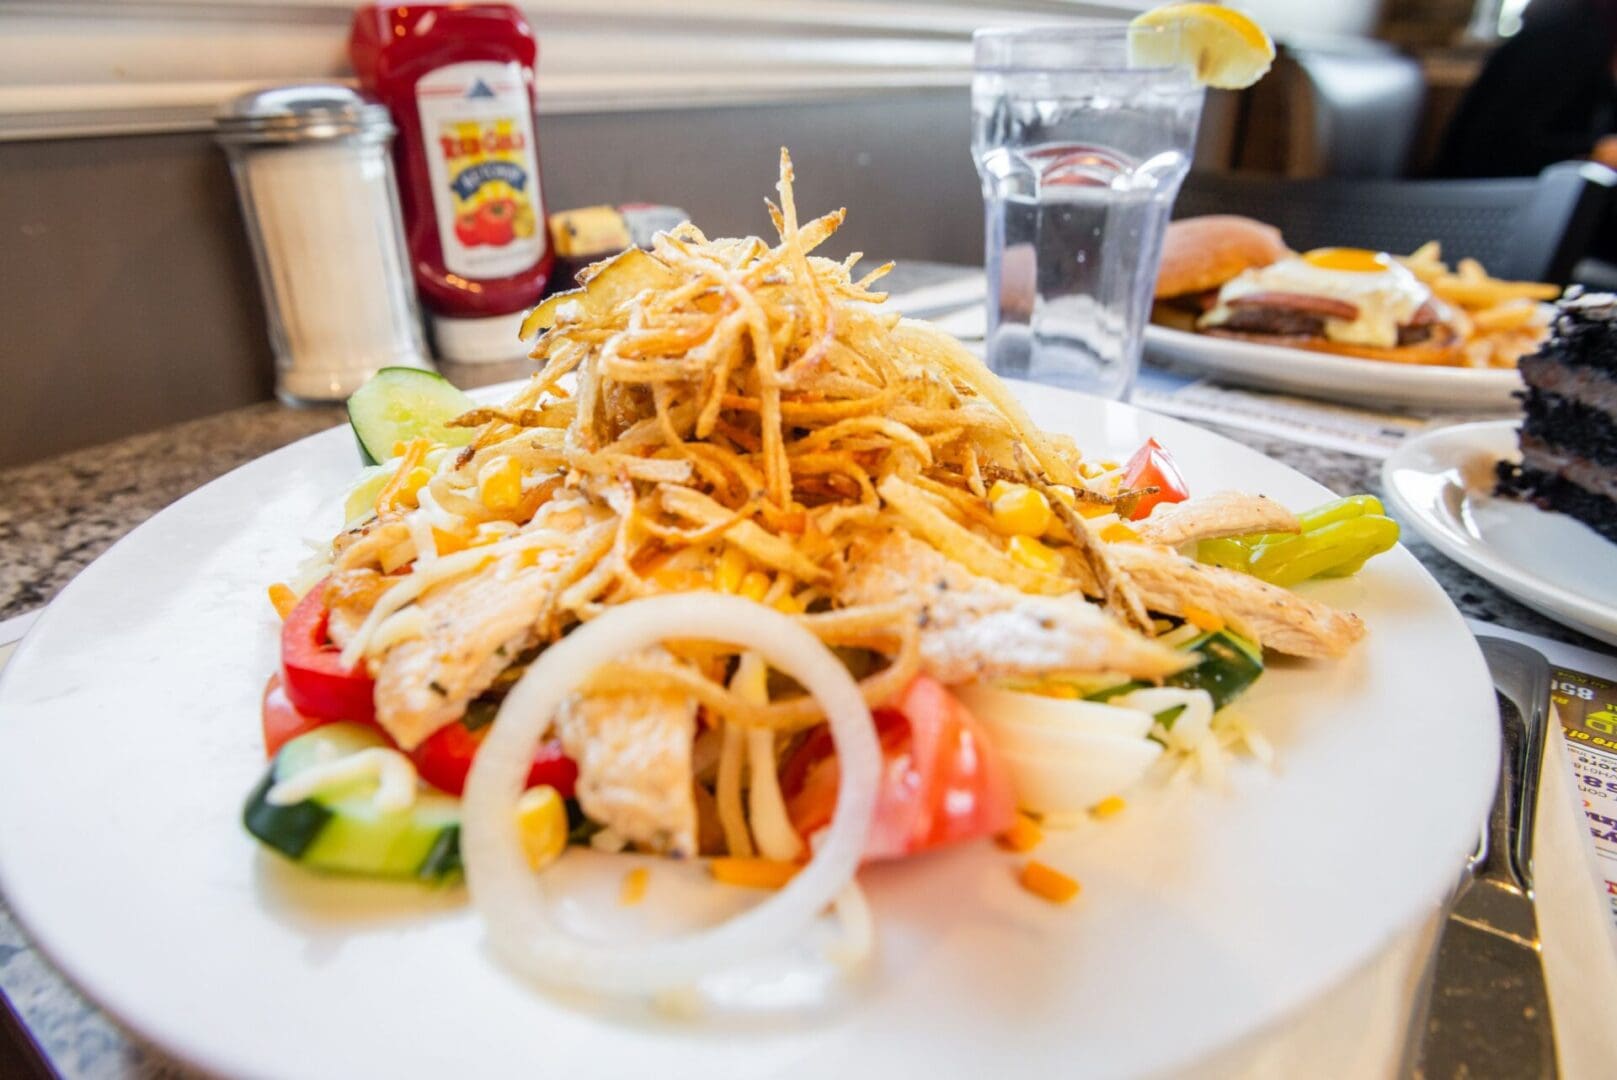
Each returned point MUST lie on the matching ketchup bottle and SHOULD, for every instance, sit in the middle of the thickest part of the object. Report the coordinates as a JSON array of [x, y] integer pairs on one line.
[[458, 80]]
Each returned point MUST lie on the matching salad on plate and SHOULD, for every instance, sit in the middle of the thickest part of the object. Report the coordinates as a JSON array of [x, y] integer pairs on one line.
[[757, 572]]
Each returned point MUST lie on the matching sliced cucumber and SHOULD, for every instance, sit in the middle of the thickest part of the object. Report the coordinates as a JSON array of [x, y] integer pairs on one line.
[[341, 830], [399, 404], [1229, 665]]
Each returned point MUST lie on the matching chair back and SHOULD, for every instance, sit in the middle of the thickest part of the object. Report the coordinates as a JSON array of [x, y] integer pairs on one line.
[[1350, 112], [1525, 229]]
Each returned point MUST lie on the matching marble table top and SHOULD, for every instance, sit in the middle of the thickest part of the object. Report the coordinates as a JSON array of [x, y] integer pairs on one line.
[[57, 515]]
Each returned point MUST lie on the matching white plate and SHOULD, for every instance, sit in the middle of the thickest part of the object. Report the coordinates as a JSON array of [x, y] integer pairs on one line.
[[1338, 378], [129, 739], [1442, 482]]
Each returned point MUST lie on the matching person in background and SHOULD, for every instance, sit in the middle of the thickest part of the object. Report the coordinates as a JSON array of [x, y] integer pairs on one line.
[[1547, 94]]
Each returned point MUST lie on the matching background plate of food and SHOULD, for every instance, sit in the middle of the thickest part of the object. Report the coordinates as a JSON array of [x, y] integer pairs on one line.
[[1341, 323], [1216, 897]]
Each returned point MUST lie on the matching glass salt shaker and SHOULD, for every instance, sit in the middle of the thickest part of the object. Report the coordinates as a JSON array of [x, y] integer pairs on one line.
[[315, 177]]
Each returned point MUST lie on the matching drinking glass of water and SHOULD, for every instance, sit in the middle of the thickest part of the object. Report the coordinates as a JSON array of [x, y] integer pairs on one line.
[[1081, 153]]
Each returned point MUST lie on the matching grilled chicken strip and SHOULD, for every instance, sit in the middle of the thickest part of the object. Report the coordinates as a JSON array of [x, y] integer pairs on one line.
[[1274, 617], [973, 628], [634, 765], [474, 627], [1226, 513]]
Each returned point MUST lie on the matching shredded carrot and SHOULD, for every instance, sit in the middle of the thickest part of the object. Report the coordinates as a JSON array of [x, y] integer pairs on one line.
[[1108, 807], [634, 886], [284, 599], [1023, 835], [392, 494], [1202, 619], [752, 873], [1047, 882], [1118, 532]]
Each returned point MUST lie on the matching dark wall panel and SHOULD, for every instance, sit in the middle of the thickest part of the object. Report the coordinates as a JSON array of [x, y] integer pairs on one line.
[[127, 293], [127, 296]]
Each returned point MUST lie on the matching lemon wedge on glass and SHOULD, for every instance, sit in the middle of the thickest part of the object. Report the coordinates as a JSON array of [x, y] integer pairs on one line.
[[1226, 49]]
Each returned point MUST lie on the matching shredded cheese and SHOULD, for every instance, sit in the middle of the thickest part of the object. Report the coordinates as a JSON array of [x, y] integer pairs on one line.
[[393, 773], [1110, 806], [1023, 835], [634, 886], [771, 829], [752, 873], [1047, 882], [282, 598]]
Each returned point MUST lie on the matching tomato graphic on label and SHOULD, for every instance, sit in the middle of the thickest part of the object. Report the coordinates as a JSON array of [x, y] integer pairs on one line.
[[496, 221], [468, 228]]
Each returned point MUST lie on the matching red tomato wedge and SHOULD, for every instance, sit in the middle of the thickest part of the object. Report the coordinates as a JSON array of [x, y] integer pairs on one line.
[[442, 761], [282, 721], [941, 782], [1152, 466], [312, 673], [445, 758]]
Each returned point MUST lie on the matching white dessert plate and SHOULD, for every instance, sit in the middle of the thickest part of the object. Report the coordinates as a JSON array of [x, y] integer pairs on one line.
[[1337, 378], [129, 739], [1441, 484]]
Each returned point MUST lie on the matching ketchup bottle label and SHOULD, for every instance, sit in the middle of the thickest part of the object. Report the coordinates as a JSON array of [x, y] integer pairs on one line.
[[478, 133]]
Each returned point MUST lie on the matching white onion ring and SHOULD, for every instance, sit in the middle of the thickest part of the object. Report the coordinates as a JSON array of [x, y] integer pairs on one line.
[[511, 897]]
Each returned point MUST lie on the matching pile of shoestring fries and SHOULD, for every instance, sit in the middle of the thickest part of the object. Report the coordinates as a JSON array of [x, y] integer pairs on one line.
[[1499, 321], [748, 409]]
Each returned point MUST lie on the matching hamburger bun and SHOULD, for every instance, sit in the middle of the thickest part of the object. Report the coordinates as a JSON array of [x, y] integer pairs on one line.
[[1202, 253], [1442, 350]]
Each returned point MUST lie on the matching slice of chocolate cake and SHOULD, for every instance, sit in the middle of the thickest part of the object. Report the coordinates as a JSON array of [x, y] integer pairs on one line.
[[1569, 435]]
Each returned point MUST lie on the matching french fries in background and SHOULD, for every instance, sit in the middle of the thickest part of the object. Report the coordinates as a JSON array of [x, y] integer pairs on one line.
[[1499, 321]]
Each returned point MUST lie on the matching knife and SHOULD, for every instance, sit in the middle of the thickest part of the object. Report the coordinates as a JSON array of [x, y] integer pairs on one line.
[[1486, 1011]]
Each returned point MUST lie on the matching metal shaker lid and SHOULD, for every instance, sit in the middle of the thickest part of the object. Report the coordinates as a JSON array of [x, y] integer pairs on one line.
[[302, 112]]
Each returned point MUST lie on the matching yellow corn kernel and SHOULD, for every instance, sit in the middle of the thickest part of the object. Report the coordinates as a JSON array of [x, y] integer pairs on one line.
[[732, 568], [1118, 533], [1110, 806], [1021, 511], [673, 580], [788, 604], [542, 825], [1048, 882], [282, 598], [752, 873], [634, 886], [499, 483], [448, 543], [1000, 487], [409, 489], [1023, 835], [1088, 509], [1034, 555], [755, 585], [1202, 619]]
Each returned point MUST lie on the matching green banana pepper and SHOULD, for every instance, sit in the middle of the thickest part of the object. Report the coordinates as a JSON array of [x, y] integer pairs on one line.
[[1336, 539]]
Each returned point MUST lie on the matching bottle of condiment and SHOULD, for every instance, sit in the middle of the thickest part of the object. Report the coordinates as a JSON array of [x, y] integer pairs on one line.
[[312, 168], [459, 82]]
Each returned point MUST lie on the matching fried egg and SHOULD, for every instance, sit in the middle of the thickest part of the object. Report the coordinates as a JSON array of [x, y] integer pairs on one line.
[[1384, 293]]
